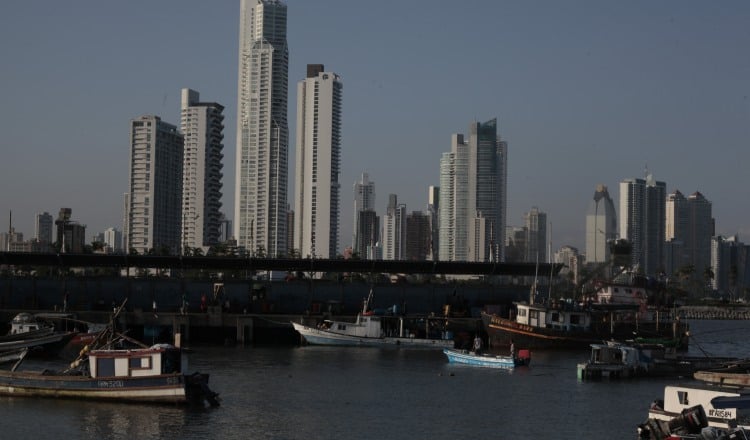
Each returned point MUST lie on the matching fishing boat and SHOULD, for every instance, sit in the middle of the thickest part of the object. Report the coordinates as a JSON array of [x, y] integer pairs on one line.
[[27, 331], [686, 409], [733, 374], [155, 374], [371, 330], [616, 360], [473, 358], [618, 310]]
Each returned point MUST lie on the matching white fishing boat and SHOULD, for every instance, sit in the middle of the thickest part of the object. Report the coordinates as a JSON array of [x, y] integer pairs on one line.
[[369, 329], [688, 408]]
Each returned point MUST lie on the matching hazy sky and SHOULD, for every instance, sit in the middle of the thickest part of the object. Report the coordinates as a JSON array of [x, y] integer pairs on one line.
[[585, 92]]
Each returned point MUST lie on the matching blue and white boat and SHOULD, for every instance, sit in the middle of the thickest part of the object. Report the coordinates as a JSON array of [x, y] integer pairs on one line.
[[487, 360]]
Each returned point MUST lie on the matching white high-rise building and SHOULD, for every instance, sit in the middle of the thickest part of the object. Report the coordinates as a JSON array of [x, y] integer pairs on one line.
[[202, 127], [155, 186], [43, 232], [318, 164], [112, 238], [364, 201], [473, 201], [643, 220], [260, 206], [601, 226]]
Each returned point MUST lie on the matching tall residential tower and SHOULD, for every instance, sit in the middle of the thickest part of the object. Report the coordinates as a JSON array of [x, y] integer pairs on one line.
[[203, 128], [154, 203], [318, 164], [642, 221], [366, 226], [260, 214], [473, 186]]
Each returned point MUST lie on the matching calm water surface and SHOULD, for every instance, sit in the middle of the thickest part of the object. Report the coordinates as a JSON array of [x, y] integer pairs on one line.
[[329, 393]]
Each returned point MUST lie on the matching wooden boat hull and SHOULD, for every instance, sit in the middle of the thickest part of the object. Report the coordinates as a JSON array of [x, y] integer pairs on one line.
[[167, 388], [48, 344], [502, 332], [314, 336], [483, 360]]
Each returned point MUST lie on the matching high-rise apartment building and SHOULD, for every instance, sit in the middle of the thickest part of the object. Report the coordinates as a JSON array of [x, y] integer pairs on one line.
[[368, 234], [43, 228], [318, 163], [418, 236], [433, 209], [689, 228], [394, 230], [262, 132], [727, 265], [154, 205], [473, 201], [202, 125], [535, 222], [601, 226], [364, 200], [643, 220], [112, 240]]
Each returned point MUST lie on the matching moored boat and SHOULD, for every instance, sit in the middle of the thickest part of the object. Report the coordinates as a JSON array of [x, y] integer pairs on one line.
[[686, 409], [372, 330], [367, 330], [618, 310], [487, 359], [140, 375], [154, 374], [28, 331], [615, 360]]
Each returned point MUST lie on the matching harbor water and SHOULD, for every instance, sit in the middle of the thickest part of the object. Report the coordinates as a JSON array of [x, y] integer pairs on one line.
[[325, 393]]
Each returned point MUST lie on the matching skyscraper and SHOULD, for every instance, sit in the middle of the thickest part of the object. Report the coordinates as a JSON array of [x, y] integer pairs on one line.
[[318, 163], [643, 220], [535, 223], [202, 127], [601, 226], [689, 227], [113, 240], [262, 132], [394, 230], [44, 228], [418, 236], [473, 200], [154, 205], [364, 200], [433, 208]]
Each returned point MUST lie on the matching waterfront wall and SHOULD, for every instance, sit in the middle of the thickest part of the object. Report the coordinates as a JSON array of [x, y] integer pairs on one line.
[[246, 296]]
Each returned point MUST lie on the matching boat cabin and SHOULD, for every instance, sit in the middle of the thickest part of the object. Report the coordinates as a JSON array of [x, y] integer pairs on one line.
[[366, 326], [156, 360], [678, 398], [25, 323], [561, 318]]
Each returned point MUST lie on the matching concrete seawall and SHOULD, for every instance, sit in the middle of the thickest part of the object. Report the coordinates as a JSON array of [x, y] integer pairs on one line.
[[713, 312]]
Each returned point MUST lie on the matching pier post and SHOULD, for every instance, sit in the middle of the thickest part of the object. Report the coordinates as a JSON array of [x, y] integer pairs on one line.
[[181, 325], [244, 329]]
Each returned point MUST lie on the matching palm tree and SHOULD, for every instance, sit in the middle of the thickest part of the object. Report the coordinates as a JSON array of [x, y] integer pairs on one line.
[[708, 276]]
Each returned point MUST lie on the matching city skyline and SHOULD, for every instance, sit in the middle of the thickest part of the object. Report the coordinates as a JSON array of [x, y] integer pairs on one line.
[[587, 94]]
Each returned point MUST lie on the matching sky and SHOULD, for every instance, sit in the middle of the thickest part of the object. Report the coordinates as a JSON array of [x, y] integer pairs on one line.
[[585, 93]]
